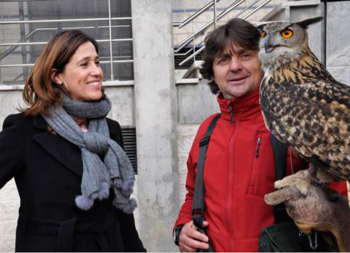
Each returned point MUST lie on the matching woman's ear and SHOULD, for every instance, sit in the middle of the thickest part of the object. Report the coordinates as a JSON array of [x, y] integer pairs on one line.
[[55, 77]]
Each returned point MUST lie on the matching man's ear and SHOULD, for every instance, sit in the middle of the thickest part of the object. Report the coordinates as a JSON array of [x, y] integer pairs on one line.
[[55, 77]]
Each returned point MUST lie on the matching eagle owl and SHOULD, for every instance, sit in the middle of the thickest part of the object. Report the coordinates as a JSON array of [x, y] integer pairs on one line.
[[302, 104]]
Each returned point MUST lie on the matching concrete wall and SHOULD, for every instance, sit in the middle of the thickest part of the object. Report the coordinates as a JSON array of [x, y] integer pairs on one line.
[[155, 118], [338, 37]]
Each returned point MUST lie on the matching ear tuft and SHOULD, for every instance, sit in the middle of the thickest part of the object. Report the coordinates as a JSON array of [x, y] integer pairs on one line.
[[305, 23]]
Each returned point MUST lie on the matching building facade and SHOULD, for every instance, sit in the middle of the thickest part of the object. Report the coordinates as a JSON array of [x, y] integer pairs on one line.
[[158, 104]]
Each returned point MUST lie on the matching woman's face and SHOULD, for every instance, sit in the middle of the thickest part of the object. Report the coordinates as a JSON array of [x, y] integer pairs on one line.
[[82, 76]]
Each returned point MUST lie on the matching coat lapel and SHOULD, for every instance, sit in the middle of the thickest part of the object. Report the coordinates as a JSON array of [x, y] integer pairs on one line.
[[62, 150]]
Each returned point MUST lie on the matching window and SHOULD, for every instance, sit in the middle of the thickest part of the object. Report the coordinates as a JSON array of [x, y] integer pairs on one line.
[[27, 25]]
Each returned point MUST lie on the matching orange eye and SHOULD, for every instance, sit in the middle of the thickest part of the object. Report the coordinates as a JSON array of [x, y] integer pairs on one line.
[[262, 34], [288, 33]]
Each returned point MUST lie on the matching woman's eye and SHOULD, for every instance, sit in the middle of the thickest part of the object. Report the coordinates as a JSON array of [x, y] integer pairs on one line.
[[83, 64], [288, 33], [97, 62]]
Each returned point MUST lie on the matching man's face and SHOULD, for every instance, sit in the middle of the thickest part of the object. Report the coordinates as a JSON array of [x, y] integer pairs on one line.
[[237, 71]]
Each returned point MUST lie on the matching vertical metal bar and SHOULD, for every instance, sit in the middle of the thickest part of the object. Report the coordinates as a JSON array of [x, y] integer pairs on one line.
[[0, 73], [95, 23], [194, 50], [23, 35], [324, 60], [110, 38], [57, 12], [215, 18]]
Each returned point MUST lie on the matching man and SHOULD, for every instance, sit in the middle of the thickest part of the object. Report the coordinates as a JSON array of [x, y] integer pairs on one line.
[[239, 165]]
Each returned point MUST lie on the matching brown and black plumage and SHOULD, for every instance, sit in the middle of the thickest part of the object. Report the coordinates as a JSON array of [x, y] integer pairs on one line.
[[302, 104]]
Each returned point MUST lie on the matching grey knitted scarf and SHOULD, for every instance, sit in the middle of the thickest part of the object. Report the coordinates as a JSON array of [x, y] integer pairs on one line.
[[98, 176]]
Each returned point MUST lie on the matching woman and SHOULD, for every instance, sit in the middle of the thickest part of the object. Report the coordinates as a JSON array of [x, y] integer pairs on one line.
[[73, 177]]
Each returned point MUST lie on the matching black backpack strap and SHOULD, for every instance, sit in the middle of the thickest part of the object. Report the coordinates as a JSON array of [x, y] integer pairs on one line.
[[280, 157], [198, 197]]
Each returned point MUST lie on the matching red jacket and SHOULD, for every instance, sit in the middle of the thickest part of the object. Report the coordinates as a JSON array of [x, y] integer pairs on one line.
[[239, 171]]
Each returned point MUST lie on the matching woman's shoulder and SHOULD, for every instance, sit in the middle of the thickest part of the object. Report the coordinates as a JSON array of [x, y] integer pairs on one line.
[[115, 131], [16, 119], [113, 125]]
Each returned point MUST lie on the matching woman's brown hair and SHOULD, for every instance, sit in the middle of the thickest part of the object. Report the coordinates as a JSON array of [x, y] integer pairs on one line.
[[39, 91]]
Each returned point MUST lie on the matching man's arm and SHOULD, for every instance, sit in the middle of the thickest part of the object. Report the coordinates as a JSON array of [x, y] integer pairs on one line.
[[188, 238]]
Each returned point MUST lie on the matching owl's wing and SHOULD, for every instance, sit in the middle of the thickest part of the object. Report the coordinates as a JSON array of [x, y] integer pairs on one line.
[[314, 118]]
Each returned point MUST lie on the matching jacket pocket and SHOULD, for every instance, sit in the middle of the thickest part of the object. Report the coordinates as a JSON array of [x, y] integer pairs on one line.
[[262, 171]]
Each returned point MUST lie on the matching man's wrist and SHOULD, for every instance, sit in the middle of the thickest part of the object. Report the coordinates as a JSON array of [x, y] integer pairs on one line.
[[177, 232]]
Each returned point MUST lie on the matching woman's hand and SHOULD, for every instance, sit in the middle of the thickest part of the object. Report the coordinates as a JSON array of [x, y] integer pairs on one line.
[[191, 239]]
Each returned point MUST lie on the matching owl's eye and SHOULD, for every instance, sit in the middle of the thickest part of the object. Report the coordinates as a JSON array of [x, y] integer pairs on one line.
[[262, 34], [287, 33]]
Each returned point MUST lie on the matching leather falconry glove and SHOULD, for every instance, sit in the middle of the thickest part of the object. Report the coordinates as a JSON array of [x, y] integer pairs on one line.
[[321, 209]]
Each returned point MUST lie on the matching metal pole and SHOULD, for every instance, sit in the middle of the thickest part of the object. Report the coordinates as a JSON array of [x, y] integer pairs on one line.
[[199, 12], [215, 20], [110, 38], [202, 29], [60, 20], [23, 35], [0, 74]]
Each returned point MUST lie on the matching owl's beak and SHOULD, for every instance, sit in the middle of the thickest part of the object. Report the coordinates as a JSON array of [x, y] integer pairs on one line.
[[268, 47]]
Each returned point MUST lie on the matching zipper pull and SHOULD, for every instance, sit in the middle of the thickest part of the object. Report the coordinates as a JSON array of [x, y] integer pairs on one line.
[[231, 114], [257, 147]]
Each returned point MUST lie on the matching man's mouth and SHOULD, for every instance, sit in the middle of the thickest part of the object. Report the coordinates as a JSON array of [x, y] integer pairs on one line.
[[236, 79]]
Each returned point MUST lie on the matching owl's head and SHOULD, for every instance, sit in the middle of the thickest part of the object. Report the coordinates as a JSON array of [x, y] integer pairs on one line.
[[283, 42]]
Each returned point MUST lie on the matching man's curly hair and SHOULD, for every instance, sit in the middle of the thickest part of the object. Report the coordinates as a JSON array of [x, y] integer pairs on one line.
[[236, 31]]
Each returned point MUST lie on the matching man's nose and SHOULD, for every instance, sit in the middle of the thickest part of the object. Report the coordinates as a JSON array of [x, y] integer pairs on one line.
[[235, 64]]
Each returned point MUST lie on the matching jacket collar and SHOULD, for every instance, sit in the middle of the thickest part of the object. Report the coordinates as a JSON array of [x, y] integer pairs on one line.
[[242, 108], [63, 151]]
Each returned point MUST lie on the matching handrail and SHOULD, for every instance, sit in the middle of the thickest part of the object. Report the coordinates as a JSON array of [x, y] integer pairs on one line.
[[60, 20], [256, 9], [246, 8], [45, 42], [32, 64], [197, 13], [16, 45], [192, 55], [203, 28]]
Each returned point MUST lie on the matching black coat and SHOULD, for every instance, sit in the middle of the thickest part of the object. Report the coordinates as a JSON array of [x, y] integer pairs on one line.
[[48, 172]]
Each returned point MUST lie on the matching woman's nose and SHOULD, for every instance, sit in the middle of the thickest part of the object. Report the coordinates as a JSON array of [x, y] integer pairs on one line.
[[96, 70]]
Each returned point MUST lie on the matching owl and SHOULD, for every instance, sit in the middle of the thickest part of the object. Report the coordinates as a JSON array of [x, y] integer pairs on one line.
[[303, 105]]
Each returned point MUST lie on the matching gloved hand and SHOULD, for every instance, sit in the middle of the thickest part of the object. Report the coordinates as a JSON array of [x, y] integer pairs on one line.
[[320, 209]]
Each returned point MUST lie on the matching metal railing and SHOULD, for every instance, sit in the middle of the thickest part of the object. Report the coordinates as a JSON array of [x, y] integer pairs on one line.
[[253, 7], [25, 39]]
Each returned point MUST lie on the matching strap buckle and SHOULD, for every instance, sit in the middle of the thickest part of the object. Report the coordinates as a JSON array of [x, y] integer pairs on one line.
[[197, 217], [204, 141]]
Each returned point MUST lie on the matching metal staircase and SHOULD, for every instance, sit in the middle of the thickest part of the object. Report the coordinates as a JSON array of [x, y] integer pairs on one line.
[[187, 52]]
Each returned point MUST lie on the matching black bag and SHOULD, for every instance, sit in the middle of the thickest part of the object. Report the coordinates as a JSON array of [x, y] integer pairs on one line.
[[198, 197], [284, 235]]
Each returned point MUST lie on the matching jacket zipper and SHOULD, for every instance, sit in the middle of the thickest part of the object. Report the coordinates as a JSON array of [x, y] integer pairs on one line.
[[231, 179], [231, 114], [258, 142]]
